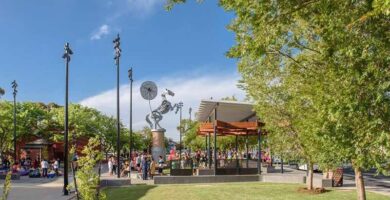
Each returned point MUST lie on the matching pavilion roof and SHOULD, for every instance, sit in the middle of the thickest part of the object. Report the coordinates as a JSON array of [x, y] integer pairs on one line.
[[228, 111], [233, 118], [230, 128]]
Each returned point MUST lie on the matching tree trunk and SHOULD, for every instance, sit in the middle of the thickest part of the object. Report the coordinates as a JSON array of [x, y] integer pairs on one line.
[[309, 180], [325, 174], [360, 189]]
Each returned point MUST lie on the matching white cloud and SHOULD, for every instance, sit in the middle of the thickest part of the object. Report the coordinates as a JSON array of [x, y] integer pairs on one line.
[[190, 90], [144, 7], [102, 31]]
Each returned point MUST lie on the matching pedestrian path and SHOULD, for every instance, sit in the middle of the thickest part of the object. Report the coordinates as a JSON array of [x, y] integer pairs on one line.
[[37, 188]]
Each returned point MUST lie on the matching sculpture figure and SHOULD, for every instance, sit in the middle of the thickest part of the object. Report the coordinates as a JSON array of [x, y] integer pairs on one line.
[[157, 114]]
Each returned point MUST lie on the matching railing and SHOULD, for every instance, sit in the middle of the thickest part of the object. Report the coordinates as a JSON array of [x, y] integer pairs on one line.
[[181, 164], [237, 163], [181, 167]]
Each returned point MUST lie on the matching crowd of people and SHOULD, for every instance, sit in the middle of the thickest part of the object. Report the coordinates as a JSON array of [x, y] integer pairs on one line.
[[142, 163], [32, 168], [146, 166], [201, 159]]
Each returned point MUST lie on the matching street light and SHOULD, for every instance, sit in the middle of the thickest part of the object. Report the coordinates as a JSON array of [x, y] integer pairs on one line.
[[180, 106], [118, 51], [2, 92], [131, 111], [14, 86], [67, 53], [190, 111]]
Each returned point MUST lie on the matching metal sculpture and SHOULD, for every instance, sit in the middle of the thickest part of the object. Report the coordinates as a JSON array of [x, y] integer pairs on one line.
[[149, 92]]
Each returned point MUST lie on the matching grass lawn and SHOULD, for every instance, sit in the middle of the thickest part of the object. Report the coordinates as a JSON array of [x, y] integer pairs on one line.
[[226, 191]]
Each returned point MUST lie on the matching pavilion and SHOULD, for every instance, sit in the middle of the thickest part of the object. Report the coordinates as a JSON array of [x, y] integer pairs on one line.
[[222, 118]]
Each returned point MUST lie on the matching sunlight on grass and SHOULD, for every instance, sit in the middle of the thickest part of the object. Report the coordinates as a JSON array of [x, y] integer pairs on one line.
[[224, 191]]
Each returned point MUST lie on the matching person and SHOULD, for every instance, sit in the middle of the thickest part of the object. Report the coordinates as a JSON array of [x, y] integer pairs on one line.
[[110, 166], [138, 162], [152, 168], [15, 168], [35, 164], [44, 166], [160, 165], [126, 169], [55, 167], [59, 163], [114, 165], [51, 174], [145, 168], [74, 161]]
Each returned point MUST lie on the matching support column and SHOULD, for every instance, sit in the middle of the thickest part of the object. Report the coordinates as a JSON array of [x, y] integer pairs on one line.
[[215, 140], [247, 150], [206, 149], [209, 151], [205, 144], [259, 152], [237, 161]]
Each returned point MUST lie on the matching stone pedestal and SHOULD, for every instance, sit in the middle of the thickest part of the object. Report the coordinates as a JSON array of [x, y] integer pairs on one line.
[[158, 147]]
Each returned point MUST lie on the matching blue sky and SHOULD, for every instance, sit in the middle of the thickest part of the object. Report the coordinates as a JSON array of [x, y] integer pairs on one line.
[[174, 49]]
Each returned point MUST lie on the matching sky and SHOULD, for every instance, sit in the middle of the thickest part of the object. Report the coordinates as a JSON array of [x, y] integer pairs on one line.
[[182, 50]]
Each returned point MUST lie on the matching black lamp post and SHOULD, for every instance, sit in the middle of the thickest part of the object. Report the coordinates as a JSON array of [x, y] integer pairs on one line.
[[118, 51], [190, 111], [14, 86], [66, 56], [2, 92], [131, 111]]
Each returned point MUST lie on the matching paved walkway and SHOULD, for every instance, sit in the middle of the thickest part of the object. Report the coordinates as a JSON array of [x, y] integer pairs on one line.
[[36, 189]]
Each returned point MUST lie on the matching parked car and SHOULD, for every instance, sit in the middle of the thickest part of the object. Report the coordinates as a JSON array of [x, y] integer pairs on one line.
[[304, 167]]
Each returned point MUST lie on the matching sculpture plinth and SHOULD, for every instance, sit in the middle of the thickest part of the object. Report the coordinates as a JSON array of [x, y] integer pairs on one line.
[[158, 146]]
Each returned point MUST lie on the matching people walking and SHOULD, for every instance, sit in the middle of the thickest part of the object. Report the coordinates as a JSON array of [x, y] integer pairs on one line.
[[44, 166], [55, 167], [114, 165], [152, 168], [160, 165], [110, 166], [145, 168]]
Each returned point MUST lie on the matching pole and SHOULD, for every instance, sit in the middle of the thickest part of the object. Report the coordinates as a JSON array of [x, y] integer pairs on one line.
[[180, 130], [209, 150], [66, 56], [237, 161], [215, 140], [14, 86], [117, 56], [131, 112], [247, 149], [259, 152]]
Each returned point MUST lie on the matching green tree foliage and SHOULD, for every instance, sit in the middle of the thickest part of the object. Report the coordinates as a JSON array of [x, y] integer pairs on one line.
[[7, 182], [318, 72], [143, 139], [46, 121], [5, 126]]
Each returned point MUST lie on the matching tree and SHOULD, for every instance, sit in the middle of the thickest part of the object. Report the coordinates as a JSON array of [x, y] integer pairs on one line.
[[324, 68], [87, 177]]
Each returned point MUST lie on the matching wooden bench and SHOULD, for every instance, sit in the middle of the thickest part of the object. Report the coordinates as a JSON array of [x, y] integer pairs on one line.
[[338, 177]]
